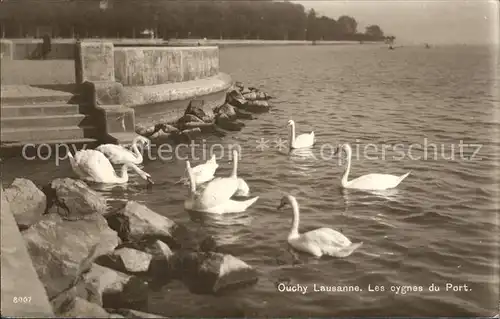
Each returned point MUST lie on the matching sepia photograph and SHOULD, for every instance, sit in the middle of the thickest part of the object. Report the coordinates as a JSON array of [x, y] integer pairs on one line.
[[250, 158]]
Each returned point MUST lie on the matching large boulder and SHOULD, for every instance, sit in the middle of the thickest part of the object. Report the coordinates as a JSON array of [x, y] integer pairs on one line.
[[256, 95], [211, 272], [204, 127], [104, 281], [112, 287], [159, 137], [257, 106], [73, 200], [234, 97], [159, 265], [188, 118], [135, 222], [187, 135], [229, 124], [128, 260], [27, 202], [62, 250], [198, 109], [153, 247], [241, 114], [228, 110]]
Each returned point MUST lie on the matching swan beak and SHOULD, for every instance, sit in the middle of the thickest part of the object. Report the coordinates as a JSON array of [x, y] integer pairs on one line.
[[281, 206], [336, 151], [150, 181]]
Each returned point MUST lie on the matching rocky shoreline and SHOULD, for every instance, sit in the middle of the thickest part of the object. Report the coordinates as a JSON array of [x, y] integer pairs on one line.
[[241, 104], [97, 259]]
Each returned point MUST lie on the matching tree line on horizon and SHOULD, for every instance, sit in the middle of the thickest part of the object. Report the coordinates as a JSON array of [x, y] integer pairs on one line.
[[266, 20]]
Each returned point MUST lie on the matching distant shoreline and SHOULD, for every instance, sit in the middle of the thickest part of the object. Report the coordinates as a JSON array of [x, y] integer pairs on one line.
[[226, 43], [196, 42]]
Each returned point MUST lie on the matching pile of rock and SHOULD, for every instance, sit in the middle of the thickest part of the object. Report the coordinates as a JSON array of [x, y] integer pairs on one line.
[[241, 103], [98, 260]]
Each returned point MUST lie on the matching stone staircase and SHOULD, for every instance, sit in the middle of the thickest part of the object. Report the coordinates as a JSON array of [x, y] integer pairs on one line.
[[31, 115]]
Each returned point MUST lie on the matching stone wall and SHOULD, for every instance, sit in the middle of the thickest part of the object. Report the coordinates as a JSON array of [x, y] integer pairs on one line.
[[152, 80], [6, 49], [28, 49], [145, 66]]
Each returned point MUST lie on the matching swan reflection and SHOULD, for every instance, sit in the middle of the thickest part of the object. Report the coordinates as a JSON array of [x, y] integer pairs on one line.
[[369, 196], [302, 154]]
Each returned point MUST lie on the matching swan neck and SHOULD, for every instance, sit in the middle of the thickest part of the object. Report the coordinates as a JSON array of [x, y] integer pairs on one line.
[[136, 169], [292, 133], [347, 169], [192, 184], [124, 174], [71, 160], [294, 230], [235, 165], [135, 149]]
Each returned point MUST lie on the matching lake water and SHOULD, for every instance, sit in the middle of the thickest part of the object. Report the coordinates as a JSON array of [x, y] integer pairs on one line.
[[431, 111]]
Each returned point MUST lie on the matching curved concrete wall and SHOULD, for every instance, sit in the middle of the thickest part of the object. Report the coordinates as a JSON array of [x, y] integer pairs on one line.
[[141, 66]]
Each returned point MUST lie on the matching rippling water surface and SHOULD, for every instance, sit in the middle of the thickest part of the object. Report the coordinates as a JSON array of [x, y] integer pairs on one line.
[[438, 227]]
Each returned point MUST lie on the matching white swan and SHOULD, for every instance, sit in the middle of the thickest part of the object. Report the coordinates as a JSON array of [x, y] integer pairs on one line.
[[318, 242], [243, 188], [215, 197], [301, 141], [118, 154], [368, 181], [93, 166], [203, 172]]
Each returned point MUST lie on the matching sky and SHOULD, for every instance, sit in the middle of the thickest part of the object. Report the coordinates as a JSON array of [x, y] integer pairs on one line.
[[413, 22]]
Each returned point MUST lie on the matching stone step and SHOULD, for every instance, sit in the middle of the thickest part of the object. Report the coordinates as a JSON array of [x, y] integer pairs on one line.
[[38, 110], [35, 134], [45, 121], [36, 97], [76, 141], [32, 149]]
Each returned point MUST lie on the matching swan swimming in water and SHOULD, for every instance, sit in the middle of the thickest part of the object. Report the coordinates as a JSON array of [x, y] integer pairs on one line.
[[215, 197], [301, 141], [118, 154], [93, 166], [318, 242], [369, 181], [203, 173]]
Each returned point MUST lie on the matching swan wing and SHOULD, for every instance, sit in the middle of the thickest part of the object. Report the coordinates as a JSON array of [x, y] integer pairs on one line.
[[218, 191], [232, 206], [117, 154], [204, 172], [326, 239], [94, 165], [304, 140], [205, 168], [243, 188], [376, 181]]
